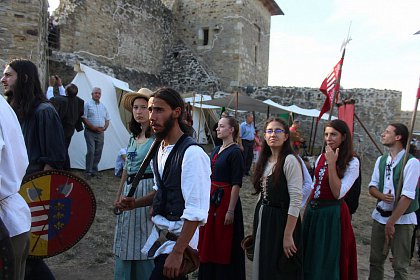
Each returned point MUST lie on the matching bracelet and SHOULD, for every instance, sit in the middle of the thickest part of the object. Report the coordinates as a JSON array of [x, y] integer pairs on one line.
[[229, 211]]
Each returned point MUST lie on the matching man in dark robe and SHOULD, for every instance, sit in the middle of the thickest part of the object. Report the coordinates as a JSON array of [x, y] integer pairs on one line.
[[41, 128], [70, 109]]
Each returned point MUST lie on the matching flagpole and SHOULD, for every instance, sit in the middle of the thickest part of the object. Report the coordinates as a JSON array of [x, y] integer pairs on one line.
[[336, 92], [407, 147], [368, 134]]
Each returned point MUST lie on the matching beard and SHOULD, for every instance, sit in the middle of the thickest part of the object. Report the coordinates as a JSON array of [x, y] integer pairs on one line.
[[9, 94], [167, 126]]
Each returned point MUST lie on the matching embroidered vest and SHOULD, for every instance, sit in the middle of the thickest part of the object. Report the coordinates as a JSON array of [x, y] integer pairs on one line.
[[168, 201], [322, 187], [414, 205]]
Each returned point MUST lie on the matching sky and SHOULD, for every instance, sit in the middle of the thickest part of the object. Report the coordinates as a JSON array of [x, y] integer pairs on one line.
[[383, 53]]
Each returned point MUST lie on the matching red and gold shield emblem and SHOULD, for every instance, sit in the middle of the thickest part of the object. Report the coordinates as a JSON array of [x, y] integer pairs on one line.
[[63, 208]]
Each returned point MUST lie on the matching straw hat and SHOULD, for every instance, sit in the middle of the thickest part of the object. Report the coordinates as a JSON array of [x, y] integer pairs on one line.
[[129, 98]]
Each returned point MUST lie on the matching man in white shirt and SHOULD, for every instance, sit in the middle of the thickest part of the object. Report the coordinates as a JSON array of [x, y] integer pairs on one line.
[[393, 221], [55, 83], [14, 211], [182, 192]]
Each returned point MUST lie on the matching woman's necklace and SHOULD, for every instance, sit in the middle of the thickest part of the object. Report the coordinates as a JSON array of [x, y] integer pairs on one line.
[[223, 147], [227, 145]]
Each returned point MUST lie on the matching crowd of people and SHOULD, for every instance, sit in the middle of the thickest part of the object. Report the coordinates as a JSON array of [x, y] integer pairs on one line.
[[187, 203]]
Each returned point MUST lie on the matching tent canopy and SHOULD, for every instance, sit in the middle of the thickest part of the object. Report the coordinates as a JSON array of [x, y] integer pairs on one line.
[[245, 103], [297, 110], [116, 136]]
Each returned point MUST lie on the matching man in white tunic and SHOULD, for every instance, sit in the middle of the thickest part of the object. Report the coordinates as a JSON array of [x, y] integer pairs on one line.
[[14, 211], [182, 192]]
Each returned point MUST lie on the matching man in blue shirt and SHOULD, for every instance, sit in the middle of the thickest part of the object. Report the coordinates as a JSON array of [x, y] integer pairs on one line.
[[247, 134], [96, 121]]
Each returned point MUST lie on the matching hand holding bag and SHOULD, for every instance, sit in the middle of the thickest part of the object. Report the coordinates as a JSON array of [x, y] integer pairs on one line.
[[247, 245], [190, 261]]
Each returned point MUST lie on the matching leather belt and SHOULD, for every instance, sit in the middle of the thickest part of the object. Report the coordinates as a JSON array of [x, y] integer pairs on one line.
[[383, 213], [164, 235], [317, 203], [130, 178]]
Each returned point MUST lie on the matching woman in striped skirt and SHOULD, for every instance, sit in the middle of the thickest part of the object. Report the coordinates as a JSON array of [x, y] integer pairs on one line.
[[134, 226]]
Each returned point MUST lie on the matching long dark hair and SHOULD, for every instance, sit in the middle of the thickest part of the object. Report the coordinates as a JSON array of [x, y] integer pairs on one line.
[[134, 126], [346, 147], [286, 150], [174, 100], [233, 123], [27, 91]]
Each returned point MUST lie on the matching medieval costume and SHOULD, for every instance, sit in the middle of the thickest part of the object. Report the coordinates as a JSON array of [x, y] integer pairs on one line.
[[271, 213], [221, 255], [329, 243], [134, 227]]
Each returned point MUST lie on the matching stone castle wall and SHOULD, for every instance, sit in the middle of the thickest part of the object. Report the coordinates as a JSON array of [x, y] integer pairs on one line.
[[23, 32], [236, 46], [375, 109], [117, 33]]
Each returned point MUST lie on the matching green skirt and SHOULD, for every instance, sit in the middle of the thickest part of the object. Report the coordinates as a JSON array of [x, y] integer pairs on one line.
[[321, 241]]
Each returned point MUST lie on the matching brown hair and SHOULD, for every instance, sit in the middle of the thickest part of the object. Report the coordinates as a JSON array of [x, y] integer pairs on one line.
[[346, 147]]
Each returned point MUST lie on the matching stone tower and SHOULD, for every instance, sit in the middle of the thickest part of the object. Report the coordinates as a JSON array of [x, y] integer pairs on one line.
[[23, 32], [232, 37]]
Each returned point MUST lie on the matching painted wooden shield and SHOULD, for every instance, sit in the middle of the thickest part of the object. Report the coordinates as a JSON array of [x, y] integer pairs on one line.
[[63, 208]]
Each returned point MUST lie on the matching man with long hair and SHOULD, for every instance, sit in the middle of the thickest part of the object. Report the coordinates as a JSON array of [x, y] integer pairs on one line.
[[181, 195], [41, 128]]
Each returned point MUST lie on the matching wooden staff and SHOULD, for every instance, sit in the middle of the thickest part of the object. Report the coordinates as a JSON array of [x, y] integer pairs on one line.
[[367, 132], [143, 166], [404, 160]]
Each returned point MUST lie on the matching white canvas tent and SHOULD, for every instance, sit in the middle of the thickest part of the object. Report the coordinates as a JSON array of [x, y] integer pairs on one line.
[[297, 110], [116, 136], [243, 102], [200, 113]]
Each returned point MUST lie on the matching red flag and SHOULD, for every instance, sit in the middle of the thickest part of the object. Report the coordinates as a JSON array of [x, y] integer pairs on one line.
[[346, 113], [329, 86], [418, 91]]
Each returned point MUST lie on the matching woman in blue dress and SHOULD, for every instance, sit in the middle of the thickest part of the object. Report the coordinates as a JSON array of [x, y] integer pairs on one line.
[[133, 227]]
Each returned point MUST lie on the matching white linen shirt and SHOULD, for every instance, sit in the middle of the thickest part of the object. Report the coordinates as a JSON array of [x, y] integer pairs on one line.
[[195, 186], [50, 92], [410, 176], [14, 210], [350, 176]]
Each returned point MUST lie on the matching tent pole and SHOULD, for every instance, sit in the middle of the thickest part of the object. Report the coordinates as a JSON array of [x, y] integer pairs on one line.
[[208, 129], [199, 119], [310, 137], [268, 111], [313, 139], [367, 132]]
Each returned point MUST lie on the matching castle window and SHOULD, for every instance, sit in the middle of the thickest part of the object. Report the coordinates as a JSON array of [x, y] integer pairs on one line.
[[203, 36], [258, 32], [256, 54]]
